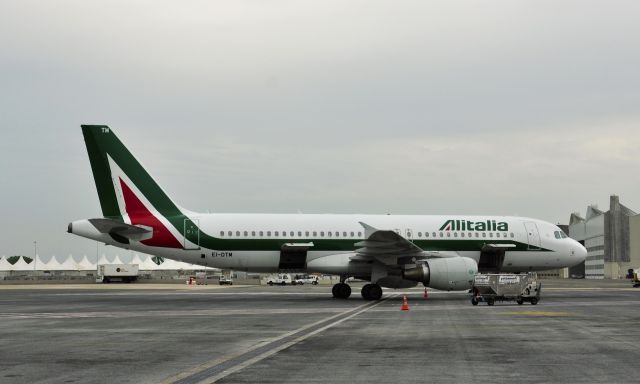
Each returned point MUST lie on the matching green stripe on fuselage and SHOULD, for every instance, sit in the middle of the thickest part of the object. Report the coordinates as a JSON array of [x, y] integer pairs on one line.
[[348, 245]]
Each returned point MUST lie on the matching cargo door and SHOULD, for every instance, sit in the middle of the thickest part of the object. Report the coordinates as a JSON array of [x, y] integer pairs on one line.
[[293, 257], [533, 236], [191, 234]]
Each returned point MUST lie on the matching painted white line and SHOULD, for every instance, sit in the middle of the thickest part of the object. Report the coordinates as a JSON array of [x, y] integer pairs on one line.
[[286, 345], [216, 362]]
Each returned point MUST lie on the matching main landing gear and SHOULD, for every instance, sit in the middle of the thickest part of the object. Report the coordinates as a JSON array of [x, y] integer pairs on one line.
[[371, 292], [341, 291]]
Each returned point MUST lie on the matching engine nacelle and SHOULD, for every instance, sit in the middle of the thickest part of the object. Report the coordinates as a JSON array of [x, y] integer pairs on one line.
[[447, 274]]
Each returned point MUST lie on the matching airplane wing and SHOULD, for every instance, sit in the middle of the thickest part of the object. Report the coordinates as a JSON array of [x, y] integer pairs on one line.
[[388, 246], [122, 231]]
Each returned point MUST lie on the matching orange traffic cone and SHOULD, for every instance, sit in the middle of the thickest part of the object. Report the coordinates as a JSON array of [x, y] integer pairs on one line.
[[405, 304], [426, 295]]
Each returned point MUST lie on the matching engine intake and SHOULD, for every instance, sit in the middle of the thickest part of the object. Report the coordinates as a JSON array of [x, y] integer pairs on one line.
[[447, 274]]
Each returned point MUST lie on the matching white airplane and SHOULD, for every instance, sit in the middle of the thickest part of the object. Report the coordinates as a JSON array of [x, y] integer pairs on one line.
[[394, 251]]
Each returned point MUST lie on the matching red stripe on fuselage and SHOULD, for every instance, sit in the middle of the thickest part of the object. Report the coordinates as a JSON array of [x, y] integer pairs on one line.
[[139, 214]]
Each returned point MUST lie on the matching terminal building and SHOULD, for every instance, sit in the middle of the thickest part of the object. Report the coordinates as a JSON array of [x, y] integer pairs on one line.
[[612, 239]]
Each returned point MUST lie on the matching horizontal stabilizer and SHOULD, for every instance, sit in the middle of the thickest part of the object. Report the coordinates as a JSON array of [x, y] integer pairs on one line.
[[122, 231]]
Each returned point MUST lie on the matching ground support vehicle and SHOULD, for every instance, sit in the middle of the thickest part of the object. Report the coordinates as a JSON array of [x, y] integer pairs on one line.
[[636, 278], [490, 288], [306, 279], [117, 272], [225, 280], [282, 279]]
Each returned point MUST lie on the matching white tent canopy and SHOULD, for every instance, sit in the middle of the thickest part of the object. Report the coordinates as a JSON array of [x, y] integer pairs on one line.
[[69, 263]]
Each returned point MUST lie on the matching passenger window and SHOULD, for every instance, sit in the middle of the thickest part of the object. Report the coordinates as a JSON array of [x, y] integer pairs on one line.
[[329, 234], [291, 233], [337, 234], [306, 233], [455, 234], [470, 234], [556, 234], [268, 233], [359, 234], [426, 234], [253, 233], [484, 234], [261, 233], [246, 233], [275, 233], [238, 233], [321, 233], [477, 234], [344, 234], [461, 234], [434, 234], [419, 234], [230, 233], [512, 236], [448, 234], [441, 234], [352, 234], [491, 234], [315, 234], [221, 233]]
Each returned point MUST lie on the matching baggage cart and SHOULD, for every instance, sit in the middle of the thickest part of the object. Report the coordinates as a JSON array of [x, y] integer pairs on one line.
[[520, 288]]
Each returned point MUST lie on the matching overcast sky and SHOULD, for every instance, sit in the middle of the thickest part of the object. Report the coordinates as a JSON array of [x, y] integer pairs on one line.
[[419, 107]]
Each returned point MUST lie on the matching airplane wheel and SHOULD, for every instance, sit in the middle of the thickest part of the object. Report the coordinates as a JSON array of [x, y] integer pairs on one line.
[[534, 301], [375, 293], [520, 301], [365, 292], [341, 291], [371, 292]]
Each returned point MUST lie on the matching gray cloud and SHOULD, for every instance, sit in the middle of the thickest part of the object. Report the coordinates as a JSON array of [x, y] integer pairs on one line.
[[492, 107]]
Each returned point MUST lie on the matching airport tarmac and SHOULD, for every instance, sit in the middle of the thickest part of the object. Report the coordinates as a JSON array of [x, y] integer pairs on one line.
[[580, 332]]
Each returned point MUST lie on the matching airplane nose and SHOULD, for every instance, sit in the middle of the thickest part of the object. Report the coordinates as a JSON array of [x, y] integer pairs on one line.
[[579, 252]]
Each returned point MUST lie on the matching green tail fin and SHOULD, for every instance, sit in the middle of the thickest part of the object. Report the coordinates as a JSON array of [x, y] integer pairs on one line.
[[103, 144]]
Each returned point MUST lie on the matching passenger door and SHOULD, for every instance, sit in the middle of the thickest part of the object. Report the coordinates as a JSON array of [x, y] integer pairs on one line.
[[533, 236], [191, 234]]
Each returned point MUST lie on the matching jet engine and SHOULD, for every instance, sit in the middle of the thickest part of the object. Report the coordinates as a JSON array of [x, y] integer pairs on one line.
[[447, 274]]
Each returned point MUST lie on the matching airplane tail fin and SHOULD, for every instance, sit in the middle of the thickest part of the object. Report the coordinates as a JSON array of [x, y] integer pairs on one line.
[[116, 172], [127, 192]]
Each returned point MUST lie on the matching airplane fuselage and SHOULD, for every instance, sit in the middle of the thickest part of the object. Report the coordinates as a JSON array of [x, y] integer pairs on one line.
[[442, 252], [254, 242]]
